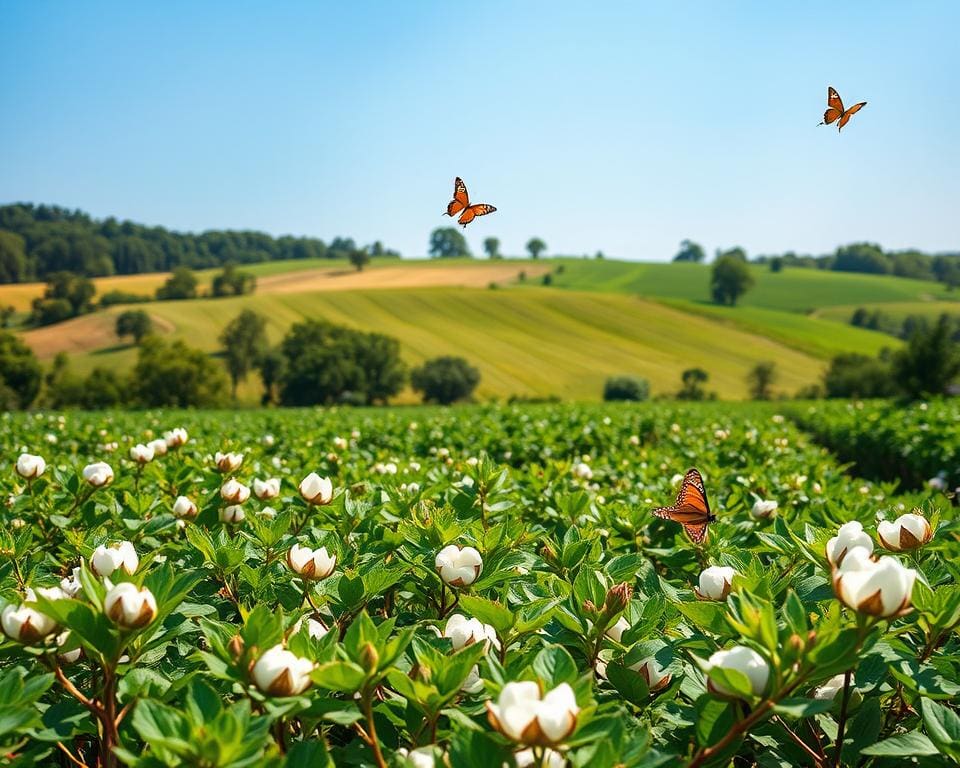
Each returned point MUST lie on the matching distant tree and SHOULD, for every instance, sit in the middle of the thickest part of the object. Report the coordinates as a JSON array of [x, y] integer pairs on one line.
[[536, 246], [693, 381], [359, 258], [272, 366], [690, 251], [341, 248], [776, 264], [946, 269], [913, 264], [244, 341], [102, 389], [862, 257], [860, 317], [66, 295], [176, 376], [547, 279], [182, 284], [111, 298], [447, 243], [376, 249], [6, 315], [856, 375], [445, 380], [599, 256], [326, 363], [233, 282], [20, 373], [629, 388], [13, 258], [732, 253], [729, 280], [760, 380], [929, 362], [491, 246], [135, 323]]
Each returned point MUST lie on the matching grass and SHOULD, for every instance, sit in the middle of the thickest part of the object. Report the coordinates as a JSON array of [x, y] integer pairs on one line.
[[895, 310], [525, 342]]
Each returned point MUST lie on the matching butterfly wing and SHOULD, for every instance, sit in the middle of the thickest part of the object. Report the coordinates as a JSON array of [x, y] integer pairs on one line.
[[461, 199], [691, 510], [834, 107], [845, 118], [471, 212]]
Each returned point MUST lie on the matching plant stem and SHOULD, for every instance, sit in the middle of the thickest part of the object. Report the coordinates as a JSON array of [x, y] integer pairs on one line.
[[843, 716], [817, 759], [372, 730]]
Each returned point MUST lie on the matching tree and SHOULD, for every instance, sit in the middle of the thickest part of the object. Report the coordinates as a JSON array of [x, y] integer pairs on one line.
[[946, 269], [626, 388], [690, 251], [729, 280], [536, 246], [135, 323], [177, 376], [733, 253], [929, 362], [327, 363], [182, 284], [66, 295], [760, 380], [20, 373], [272, 366], [491, 246], [447, 243], [233, 282], [693, 381], [360, 258], [6, 315], [244, 340], [776, 264], [862, 257], [13, 258], [445, 380], [855, 375]]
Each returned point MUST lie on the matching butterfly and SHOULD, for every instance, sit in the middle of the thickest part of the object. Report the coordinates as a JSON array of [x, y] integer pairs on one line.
[[691, 510], [835, 110], [461, 202]]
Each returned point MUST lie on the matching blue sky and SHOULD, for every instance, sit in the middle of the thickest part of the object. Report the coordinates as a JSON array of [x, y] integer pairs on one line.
[[624, 127]]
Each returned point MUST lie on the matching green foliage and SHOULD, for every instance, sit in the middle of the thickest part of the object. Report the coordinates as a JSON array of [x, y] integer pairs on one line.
[[66, 295], [690, 251], [13, 258], [760, 380], [244, 342], [693, 381], [630, 388], [182, 284], [491, 246], [447, 243], [855, 375], [930, 361], [175, 375], [233, 282], [327, 363], [862, 257], [20, 373], [730, 279], [135, 323], [445, 380], [535, 247]]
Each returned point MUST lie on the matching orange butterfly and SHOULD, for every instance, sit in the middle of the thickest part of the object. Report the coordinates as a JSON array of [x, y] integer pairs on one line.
[[835, 110], [461, 202], [691, 509]]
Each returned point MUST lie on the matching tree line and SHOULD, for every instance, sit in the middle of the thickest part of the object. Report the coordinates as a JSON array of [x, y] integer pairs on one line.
[[39, 240], [867, 258]]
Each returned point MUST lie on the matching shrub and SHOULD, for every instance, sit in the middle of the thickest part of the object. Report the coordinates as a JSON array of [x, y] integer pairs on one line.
[[20, 373], [173, 374], [182, 284], [135, 323], [112, 298], [855, 375], [445, 380], [233, 282], [626, 388], [929, 363]]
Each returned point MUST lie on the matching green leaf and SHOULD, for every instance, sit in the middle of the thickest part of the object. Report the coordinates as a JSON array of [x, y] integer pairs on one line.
[[629, 684], [912, 744], [942, 726], [489, 612], [707, 615], [554, 665], [339, 676], [714, 720], [799, 708], [309, 754], [732, 682]]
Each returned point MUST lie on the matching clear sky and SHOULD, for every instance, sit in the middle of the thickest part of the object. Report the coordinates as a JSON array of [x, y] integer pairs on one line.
[[624, 127]]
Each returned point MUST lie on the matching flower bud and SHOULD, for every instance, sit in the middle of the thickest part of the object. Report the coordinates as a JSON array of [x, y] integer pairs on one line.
[[183, 507], [26, 624], [232, 514], [234, 492], [527, 758], [877, 588], [741, 659], [315, 629], [314, 564], [616, 631], [764, 508], [142, 454], [907, 532], [715, 582], [105, 560], [829, 689], [266, 489], [130, 607], [617, 598], [463, 632], [98, 474], [316, 490], [158, 446], [369, 657], [70, 585], [656, 677], [228, 462], [236, 647], [278, 672], [30, 467], [582, 471], [176, 437], [421, 757], [66, 657], [849, 535], [522, 715], [458, 567]]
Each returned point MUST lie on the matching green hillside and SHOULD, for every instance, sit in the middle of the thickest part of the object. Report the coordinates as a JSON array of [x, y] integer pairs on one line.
[[525, 342]]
